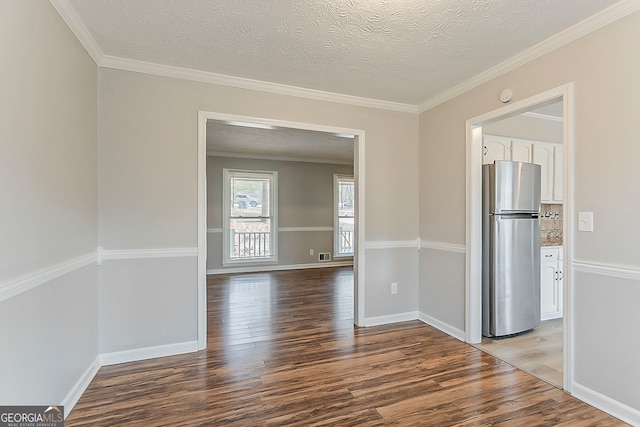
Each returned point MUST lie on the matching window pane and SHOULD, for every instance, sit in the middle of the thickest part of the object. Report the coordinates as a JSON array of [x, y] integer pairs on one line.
[[345, 218], [249, 238], [345, 235], [345, 198], [249, 197]]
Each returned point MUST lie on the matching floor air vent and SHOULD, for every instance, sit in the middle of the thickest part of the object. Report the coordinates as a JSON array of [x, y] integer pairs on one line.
[[324, 256]]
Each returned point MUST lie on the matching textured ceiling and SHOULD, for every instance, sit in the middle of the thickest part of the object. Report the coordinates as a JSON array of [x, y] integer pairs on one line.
[[404, 51]]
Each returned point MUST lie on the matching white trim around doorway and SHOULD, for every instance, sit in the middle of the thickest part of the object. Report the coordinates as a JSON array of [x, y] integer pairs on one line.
[[473, 275], [359, 168]]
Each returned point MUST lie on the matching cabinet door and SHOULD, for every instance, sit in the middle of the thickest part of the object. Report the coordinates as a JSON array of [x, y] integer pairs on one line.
[[558, 167], [543, 156], [559, 291], [521, 150], [548, 290], [495, 149]]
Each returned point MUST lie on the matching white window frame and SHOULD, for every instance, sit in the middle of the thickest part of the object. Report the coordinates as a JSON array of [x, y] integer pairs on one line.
[[337, 178], [226, 209]]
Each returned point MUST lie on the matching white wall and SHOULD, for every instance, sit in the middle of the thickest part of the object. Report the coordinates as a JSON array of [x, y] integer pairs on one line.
[[48, 188], [148, 181], [607, 100]]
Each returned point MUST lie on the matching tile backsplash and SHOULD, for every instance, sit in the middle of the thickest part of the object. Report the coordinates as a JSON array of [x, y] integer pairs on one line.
[[551, 225]]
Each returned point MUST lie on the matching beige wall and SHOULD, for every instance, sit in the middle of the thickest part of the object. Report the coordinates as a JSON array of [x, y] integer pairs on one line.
[[148, 137], [607, 99], [148, 172], [48, 124], [305, 199], [49, 215]]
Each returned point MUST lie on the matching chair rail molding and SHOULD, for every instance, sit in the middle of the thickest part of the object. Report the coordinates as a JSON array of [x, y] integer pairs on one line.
[[19, 285]]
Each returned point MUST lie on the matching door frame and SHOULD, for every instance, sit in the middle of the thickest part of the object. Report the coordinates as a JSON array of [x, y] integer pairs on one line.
[[359, 179], [473, 258]]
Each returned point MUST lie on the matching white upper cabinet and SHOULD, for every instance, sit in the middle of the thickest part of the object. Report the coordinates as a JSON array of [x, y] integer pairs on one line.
[[495, 148], [549, 157], [543, 156], [546, 154], [521, 150]]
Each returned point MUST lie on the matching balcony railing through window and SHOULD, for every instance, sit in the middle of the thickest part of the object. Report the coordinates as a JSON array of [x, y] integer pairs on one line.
[[345, 242], [250, 244]]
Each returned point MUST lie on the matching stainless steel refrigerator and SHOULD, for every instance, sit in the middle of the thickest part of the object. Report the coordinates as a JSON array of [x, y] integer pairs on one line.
[[510, 248]]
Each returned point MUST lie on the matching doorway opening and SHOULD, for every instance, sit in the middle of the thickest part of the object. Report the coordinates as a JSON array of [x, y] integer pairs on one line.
[[558, 100], [342, 137]]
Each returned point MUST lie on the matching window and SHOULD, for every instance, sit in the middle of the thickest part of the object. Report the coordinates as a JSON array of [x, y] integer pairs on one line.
[[250, 200], [344, 218]]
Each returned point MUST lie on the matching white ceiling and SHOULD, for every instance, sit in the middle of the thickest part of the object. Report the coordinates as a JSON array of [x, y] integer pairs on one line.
[[402, 51], [278, 143]]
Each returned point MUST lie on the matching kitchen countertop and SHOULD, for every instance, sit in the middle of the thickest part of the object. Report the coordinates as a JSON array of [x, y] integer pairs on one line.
[[551, 244]]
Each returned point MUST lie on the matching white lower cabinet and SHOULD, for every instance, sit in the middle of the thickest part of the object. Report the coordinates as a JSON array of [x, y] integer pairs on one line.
[[551, 283]]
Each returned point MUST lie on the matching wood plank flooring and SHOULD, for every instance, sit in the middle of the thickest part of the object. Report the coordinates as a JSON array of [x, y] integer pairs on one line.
[[282, 351]]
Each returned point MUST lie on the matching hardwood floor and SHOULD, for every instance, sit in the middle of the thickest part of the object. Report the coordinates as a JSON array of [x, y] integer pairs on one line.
[[538, 352], [282, 350]]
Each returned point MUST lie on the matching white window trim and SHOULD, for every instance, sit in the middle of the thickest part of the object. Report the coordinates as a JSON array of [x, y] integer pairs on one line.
[[273, 201], [336, 222]]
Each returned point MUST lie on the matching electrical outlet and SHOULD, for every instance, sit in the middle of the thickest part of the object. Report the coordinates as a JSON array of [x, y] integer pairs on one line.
[[394, 288], [311, 252]]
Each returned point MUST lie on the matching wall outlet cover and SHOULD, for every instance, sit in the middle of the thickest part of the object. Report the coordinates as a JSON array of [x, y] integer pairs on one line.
[[585, 221]]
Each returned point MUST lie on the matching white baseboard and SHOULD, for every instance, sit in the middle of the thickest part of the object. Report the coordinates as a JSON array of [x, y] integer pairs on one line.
[[80, 386], [391, 318], [148, 353], [261, 268], [613, 407], [444, 327]]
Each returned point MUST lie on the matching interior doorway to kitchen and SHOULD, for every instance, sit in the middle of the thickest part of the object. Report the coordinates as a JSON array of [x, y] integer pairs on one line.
[[512, 132]]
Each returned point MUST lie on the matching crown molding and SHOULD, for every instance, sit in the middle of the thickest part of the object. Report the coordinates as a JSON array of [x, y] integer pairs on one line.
[[73, 21], [591, 24], [581, 29], [75, 24], [243, 83]]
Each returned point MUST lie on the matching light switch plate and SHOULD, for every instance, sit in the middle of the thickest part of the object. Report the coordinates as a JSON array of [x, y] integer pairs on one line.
[[585, 221]]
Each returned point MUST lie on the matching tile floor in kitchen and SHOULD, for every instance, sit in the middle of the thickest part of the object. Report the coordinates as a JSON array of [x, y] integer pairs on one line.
[[538, 352]]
